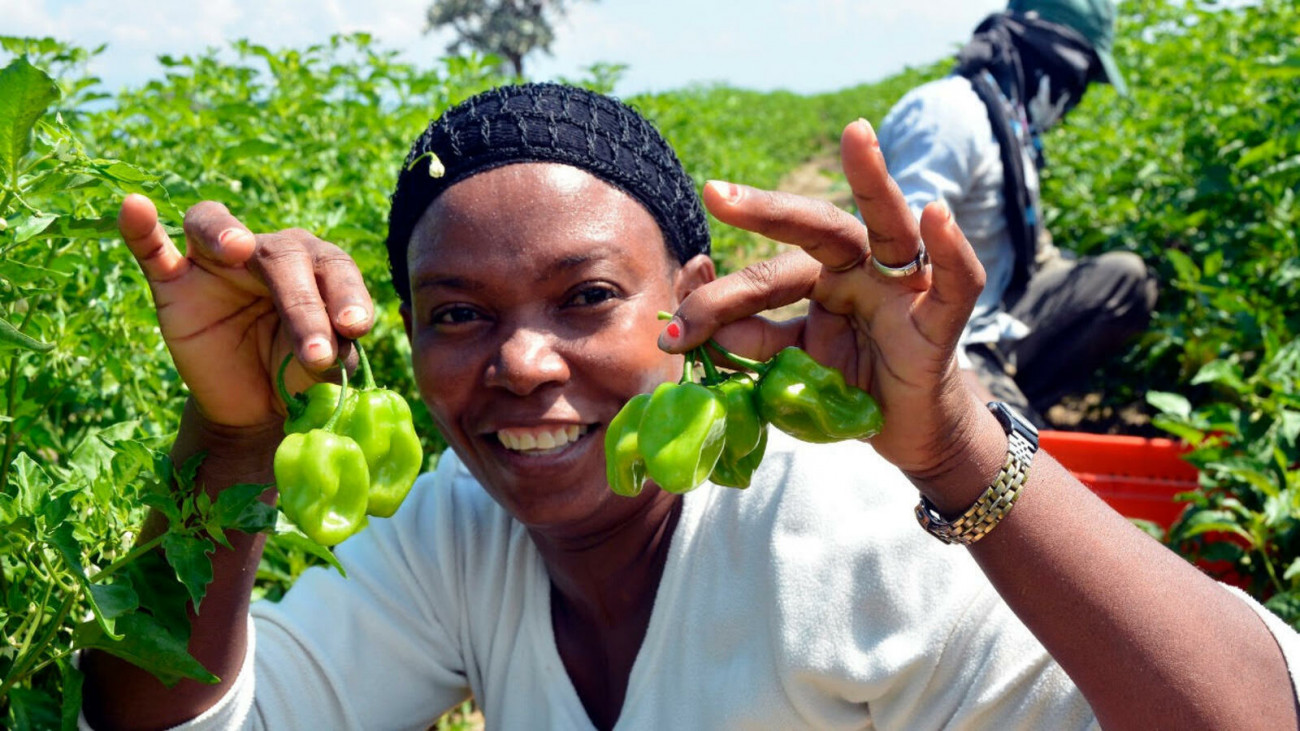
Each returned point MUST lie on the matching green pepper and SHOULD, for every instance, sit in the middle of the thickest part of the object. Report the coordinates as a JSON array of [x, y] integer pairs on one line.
[[323, 480], [744, 424], [682, 432], [313, 407], [809, 401], [378, 420], [624, 466], [738, 471]]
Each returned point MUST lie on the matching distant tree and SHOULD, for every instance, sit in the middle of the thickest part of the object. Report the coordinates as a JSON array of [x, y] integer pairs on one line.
[[510, 29]]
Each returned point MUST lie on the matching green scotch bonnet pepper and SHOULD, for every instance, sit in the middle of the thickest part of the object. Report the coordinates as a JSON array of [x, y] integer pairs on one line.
[[378, 420], [811, 402], [323, 480]]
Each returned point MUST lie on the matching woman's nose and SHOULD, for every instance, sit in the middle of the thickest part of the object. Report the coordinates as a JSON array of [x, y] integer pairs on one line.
[[526, 361]]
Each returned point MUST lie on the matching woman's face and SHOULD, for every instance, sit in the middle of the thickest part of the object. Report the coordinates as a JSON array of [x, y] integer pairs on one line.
[[535, 293]]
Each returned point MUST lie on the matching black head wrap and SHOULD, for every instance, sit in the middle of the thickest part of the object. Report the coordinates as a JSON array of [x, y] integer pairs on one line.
[[547, 123], [1042, 65]]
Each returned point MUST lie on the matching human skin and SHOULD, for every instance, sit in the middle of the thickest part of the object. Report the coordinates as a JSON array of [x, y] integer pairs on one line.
[[536, 290], [1150, 641]]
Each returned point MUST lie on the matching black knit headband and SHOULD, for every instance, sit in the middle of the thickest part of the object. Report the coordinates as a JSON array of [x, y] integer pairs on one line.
[[547, 123]]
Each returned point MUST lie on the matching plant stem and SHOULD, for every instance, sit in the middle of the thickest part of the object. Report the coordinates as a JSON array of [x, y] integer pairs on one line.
[[132, 555], [368, 378], [711, 374], [279, 381], [343, 394], [52, 659], [758, 367], [11, 437], [20, 668], [36, 618]]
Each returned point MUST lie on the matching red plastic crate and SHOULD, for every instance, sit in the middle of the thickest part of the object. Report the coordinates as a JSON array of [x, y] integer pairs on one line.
[[1138, 477]]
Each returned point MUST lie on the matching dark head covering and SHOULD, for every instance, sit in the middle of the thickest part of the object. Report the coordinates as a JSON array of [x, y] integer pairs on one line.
[[547, 123]]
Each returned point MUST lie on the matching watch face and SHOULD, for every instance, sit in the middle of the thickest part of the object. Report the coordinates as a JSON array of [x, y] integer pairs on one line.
[[1012, 421]]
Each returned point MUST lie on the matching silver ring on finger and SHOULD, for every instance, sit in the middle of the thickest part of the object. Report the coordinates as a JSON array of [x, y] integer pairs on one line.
[[921, 261]]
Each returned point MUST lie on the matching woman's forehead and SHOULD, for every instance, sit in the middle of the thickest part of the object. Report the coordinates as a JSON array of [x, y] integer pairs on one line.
[[533, 196], [535, 209]]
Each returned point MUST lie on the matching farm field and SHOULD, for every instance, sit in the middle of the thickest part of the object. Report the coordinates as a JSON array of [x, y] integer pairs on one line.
[[1197, 172]]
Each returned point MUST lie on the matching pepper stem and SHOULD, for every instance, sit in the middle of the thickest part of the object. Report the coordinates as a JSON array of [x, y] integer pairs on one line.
[[758, 367], [711, 374], [367, 377], [343, 394], [292, 404], [688, 368]]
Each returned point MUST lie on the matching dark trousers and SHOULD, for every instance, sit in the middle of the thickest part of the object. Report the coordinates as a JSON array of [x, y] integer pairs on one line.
[[1081, 313]]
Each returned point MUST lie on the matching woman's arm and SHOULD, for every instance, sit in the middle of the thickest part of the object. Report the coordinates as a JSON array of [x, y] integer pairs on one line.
[[230, 308], [1149, 640]]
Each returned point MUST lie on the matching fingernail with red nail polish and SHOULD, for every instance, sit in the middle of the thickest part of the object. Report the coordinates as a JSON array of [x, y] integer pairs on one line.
[[351, 316], [317, 349], [730, 192]]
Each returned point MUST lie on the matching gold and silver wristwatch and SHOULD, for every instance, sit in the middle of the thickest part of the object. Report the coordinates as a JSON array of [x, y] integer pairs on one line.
[[998, 499]]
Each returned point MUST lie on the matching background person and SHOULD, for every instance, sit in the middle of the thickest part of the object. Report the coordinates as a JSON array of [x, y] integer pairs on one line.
[[1045, 320], [531, 275]]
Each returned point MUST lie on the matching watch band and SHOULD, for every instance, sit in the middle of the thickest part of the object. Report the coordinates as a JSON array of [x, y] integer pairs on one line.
[[980, 518]]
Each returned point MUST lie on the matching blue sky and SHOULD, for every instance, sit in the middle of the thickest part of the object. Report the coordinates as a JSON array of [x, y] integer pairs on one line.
[[800, 45]]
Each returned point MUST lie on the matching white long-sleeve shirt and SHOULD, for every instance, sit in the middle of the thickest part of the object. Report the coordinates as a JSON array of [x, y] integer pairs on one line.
[[810, 600]]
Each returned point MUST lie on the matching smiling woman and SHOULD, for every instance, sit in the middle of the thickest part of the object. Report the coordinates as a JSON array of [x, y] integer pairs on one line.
[[531, 274]]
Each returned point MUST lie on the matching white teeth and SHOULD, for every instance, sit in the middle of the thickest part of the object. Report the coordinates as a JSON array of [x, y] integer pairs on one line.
[[520, 440]]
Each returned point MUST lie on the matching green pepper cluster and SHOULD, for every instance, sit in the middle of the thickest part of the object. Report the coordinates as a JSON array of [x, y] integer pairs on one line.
[[686, 432], [347, 454]]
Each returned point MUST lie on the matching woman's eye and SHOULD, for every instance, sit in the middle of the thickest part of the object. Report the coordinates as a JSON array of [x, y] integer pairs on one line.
[[588, 296], [454, 315]]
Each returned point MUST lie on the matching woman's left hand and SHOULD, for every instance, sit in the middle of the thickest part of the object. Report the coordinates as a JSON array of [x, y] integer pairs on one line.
[[894, 337]]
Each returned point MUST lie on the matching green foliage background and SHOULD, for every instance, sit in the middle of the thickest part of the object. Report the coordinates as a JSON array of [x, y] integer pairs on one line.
[[1197, 173]]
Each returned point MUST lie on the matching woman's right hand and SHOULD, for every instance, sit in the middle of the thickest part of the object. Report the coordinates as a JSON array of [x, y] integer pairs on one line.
[[234, 304]]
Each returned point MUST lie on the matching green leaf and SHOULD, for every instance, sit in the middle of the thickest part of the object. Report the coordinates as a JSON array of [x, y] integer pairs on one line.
[[1286, 605], [32, 226], [1293, 570], [238, 507], [26, 93], [8, 509], [1222, 551], [1170, 403], [1183, 264], [148, 645], [188, 556], [293, 539], [1220, 371], [115, 599], [1212, 521], [160, 593], [12, 339], [91, 458], [31, 483], [31, 709], [1149, 527], [73, 680], [1179, 429], [69, 548]]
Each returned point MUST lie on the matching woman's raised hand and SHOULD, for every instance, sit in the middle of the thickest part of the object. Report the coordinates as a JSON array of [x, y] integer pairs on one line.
[[893, 336], [234, 304]]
